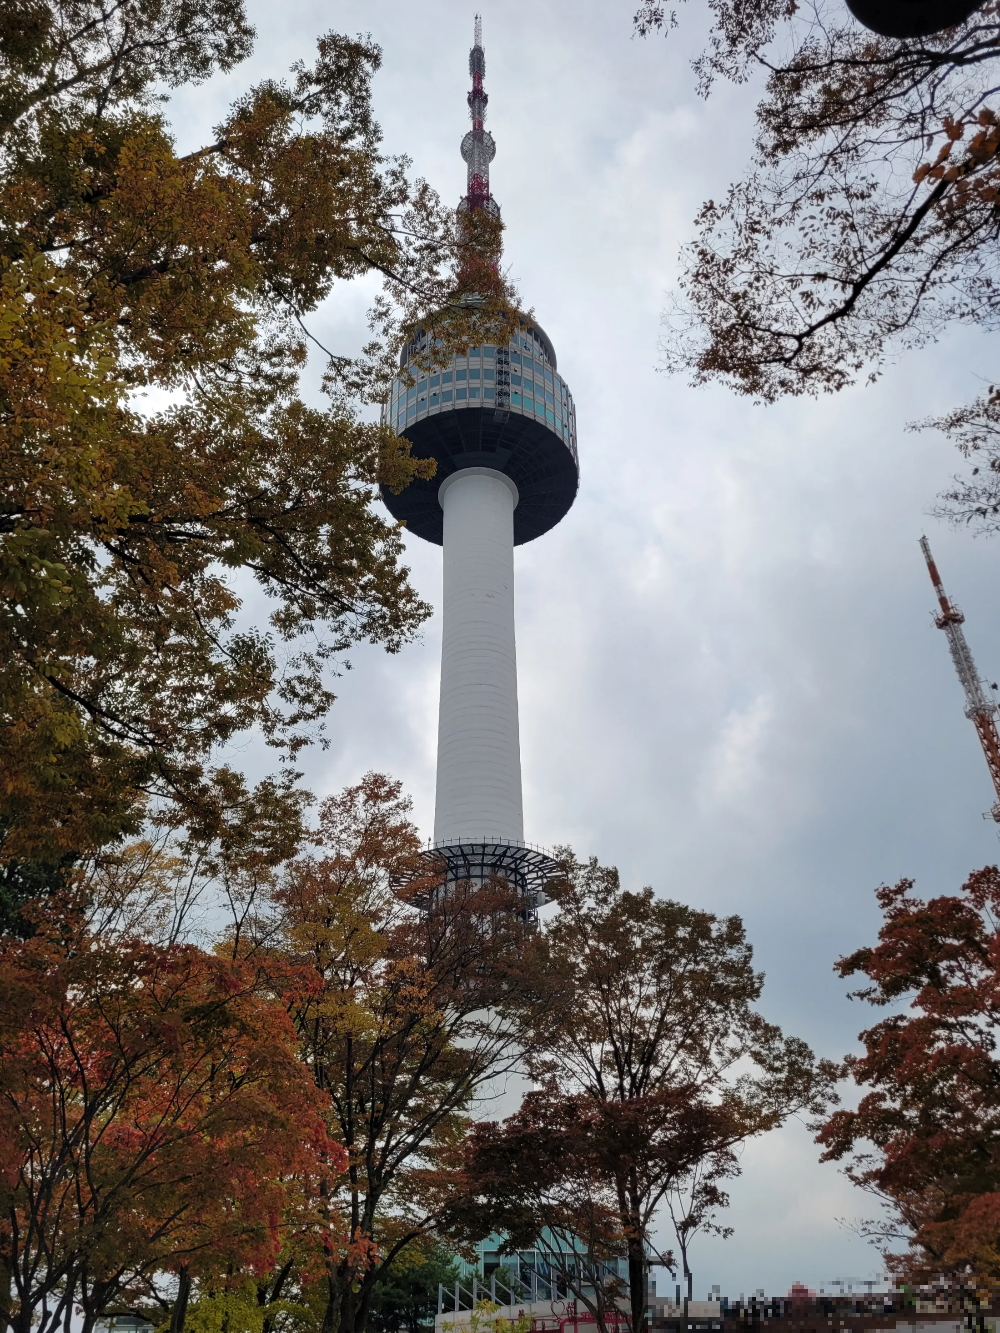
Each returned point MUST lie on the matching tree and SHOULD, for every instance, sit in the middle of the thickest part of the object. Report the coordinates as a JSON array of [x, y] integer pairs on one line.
[[401, 1015], [867, 220], [654, 1066], [925, 1137], [24, 883], [561, 1175], [154, 1119], [129, 532], [406, 1299]]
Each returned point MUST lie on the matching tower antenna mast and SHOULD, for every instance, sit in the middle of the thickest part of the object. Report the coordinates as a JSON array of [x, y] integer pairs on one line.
[[980, 707]]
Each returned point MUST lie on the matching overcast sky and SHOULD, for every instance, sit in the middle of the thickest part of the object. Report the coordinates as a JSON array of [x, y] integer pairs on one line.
[[730, 683]]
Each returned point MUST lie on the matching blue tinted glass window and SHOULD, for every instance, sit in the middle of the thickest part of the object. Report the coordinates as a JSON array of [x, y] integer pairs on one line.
[[411, 411], [529, 402], [548, 397], [515, 398], [435, 381], [411, 394], [473, 351], [434, 400], [550, 414], [489, 351], [461, 374], [548, 377], [474, 391], [446, 396], [515, 358], [515, 379], [489, 374], [446, 377], [489, 393], [474, 372], [461, 393]]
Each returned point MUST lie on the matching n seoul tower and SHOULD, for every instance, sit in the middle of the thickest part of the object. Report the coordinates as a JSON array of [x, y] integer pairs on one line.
[[501, 425]]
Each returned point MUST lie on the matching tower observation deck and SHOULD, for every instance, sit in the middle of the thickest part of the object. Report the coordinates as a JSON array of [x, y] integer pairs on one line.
[[500, 423]]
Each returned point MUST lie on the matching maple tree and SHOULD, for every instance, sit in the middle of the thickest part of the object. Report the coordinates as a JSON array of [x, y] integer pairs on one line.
[[401, 1016], [653, 1066], [925, 1136], [133, 275], [866, 221], [154, 1118]]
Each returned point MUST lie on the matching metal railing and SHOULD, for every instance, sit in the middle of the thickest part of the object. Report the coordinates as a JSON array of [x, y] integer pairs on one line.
[[503, 1288]]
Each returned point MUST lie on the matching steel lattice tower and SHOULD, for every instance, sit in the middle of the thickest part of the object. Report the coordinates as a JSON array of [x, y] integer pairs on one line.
[[501, 425], [980, 707]]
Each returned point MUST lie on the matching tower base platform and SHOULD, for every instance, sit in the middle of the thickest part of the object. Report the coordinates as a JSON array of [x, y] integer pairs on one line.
[[526, 869]]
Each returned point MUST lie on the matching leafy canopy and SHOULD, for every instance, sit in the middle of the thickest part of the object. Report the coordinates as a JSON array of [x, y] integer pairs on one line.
[[925, 1137], [156, 457], [654, 1065], [866, 220], [401, 1016]]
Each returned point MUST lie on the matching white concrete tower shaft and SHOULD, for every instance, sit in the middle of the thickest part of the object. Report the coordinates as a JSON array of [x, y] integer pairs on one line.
[[479, 752]]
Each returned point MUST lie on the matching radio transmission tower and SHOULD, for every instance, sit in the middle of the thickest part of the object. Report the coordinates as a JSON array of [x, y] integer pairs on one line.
[[980, 706]]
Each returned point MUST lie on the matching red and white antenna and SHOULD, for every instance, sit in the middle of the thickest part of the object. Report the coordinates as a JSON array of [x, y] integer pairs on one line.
[[980, 706], [478, 148]]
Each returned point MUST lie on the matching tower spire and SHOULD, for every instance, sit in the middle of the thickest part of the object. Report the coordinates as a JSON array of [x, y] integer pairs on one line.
[[478, 148], [980, 708]]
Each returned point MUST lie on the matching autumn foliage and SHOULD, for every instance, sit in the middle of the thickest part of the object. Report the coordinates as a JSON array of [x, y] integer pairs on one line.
[[654, 1065], [924, 1137], [400, 1017], [153, 1118], [865, 220], [157, 457]]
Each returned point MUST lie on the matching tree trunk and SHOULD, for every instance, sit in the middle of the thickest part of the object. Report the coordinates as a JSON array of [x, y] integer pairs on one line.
[[178, 1313], [637, 1270], [6, 1291]]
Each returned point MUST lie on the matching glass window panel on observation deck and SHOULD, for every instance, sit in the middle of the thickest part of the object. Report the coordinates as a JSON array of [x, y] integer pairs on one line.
[[446, 377], [489, 393], [461, 374], [461, 393], [446, 396]]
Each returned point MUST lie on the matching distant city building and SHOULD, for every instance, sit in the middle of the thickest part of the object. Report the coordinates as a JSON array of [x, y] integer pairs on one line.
[[125, 1321]]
